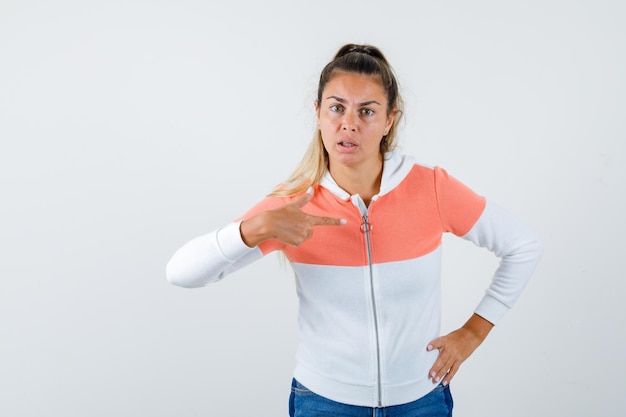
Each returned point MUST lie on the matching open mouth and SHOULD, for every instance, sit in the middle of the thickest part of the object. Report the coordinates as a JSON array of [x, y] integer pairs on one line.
[[347, 144]]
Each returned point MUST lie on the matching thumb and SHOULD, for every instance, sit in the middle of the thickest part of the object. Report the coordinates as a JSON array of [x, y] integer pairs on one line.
[[304, 198], [438, 343]]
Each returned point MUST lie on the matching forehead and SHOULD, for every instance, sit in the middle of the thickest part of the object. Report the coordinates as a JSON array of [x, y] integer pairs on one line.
[[355, 86]]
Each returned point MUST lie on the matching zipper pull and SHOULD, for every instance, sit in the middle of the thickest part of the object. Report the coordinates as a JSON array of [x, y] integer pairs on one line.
[[366, 226]]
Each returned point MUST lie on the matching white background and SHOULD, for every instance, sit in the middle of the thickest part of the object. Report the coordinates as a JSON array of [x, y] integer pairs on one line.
[[129, 127]]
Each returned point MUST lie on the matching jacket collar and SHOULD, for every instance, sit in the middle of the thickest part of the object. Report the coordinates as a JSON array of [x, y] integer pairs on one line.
[[396, 167]]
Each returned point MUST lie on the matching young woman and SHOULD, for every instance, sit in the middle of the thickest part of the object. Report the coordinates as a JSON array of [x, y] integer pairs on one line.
[[361, 225]]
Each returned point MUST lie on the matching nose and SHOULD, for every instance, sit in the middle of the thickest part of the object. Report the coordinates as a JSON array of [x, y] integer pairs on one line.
[[349, 122]]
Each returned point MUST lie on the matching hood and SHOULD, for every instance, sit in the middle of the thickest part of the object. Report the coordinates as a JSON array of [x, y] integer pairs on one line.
[[396, 167]]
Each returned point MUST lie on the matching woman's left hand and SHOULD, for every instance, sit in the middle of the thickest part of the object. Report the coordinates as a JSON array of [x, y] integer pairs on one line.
[[456, 347]]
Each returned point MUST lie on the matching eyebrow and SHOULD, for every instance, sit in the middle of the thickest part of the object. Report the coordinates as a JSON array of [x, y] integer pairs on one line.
[[365, 103]]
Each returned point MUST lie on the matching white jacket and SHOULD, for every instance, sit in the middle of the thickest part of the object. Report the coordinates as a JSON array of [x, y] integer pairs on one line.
[[369, 291]]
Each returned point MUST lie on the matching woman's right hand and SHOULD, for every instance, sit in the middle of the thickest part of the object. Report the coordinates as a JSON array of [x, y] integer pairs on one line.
[[288, 223]]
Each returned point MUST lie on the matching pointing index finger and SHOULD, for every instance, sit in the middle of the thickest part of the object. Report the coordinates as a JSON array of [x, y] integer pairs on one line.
[[326, 221]]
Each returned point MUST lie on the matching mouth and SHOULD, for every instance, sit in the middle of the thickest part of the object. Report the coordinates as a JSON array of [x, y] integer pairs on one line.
[[347, 144]]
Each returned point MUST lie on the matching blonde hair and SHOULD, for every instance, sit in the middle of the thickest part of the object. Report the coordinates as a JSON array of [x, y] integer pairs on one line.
[[361, 59]]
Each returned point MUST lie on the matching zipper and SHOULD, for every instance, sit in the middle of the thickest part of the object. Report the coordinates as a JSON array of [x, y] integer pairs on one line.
[[366, 228]]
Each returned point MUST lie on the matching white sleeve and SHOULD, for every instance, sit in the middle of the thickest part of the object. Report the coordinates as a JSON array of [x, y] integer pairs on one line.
[[519, 250], [210, 257]]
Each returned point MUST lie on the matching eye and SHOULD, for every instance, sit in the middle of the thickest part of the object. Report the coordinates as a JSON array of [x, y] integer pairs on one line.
[[367, 112], [336, 108]]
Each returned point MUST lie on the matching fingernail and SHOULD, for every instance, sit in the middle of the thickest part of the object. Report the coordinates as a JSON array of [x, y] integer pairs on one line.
[[433, 373], [429, 347], [444, 383], [437, 379], [343, 221]]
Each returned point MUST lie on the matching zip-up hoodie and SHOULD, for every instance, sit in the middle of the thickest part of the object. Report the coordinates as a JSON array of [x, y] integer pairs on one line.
[[369, 291]]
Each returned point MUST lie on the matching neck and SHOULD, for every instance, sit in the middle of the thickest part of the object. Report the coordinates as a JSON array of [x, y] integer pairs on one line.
[[364, 181]]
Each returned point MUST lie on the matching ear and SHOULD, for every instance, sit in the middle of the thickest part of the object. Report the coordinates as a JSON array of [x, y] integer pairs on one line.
[[390, 118], [316, 104]]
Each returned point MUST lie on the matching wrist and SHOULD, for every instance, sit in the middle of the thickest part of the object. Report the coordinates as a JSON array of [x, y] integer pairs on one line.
[[252, 231], [478, 327]]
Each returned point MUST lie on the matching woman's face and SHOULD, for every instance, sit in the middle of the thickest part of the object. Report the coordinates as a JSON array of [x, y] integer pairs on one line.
[[352, 118]]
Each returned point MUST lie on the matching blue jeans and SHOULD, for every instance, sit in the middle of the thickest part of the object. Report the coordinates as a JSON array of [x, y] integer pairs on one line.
[[305, 403]]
